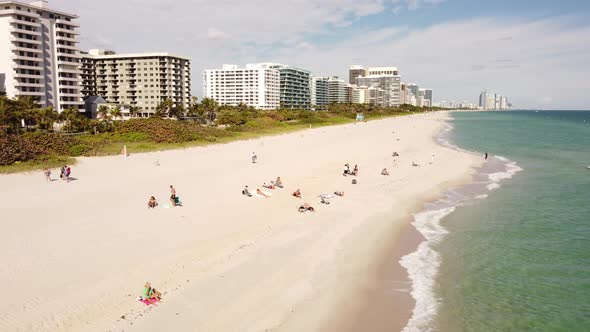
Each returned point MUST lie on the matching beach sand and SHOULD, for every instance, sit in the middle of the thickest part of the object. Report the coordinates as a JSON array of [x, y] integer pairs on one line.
[[76, 255]]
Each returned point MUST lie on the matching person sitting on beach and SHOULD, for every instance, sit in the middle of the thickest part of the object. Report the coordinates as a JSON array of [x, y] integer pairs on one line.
[[346, 170], [339, 193], [268, 186], [172, 195], [297, 193], [355, 171], [278, 182], [384, 172], [152, 203], [150, 293], [246, 192], [306, 207], [259, 192]]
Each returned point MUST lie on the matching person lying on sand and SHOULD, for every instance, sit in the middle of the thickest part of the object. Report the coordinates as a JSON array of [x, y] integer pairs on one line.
[[384, 172], [339, 193], [297, 193], [259, 192], [268, 186], [150, 293], [246, 192], [152, 203], [414, 164], [306, 207]]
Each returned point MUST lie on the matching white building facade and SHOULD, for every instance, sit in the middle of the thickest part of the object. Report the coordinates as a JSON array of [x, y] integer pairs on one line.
[[318, 92], [39, 56], [256, 86]]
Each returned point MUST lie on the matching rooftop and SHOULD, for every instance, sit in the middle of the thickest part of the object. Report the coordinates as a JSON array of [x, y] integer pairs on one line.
[[37, 5]]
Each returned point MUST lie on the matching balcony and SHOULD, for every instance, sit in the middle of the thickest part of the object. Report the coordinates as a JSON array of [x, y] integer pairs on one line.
[[24, 40], [64, 38], [34, 76], [15, 29], [19, 66], [30, 93], [30, 85], [68, 63], [69, 70], [25, 49], [70, 23], [64, 30], [27, 58]]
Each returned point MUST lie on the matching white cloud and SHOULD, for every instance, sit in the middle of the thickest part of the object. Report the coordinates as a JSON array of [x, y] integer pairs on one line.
[[213, 33], [412, 4]]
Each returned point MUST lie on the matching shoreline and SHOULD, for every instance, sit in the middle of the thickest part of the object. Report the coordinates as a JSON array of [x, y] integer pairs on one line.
[[223, 262]]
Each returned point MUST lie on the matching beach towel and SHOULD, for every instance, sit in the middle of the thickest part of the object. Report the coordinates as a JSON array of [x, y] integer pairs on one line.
[[147, 301], [267, 193]]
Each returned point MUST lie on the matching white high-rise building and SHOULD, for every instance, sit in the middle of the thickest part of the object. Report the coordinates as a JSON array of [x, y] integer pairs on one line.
[[256, 85], [39, 56], [336, 90], [318, 87]]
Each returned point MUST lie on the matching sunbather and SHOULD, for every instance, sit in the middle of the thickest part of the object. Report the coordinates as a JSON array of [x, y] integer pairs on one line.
[[150, 293], [297, 193], [246, 192], [384, 172], [152, 203], [306, 207], [278, 182], [339, 193], [355, 172], [268, 186], [259, 192]]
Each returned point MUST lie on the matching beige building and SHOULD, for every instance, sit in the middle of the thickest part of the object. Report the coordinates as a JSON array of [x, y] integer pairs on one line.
[[39, 55], [143, 80]]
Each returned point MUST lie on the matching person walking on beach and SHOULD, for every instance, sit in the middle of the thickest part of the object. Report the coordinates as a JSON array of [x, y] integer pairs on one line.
[[47, 173], [486, 157], [172, 195], [254, 158], [62, 173], [68, 173]]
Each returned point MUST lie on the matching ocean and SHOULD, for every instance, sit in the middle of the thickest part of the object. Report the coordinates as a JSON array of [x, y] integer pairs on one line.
[[511, 251]]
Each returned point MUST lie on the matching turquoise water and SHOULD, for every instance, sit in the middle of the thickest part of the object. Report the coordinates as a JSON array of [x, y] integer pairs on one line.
[[519, 259]]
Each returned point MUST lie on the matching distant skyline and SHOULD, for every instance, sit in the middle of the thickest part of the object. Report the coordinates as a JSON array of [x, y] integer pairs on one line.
[[535, 52]]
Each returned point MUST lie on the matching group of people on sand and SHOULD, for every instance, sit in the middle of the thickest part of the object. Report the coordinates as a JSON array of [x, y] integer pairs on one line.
[[174, 200], [347, 171], [278, 183], [65, 173]]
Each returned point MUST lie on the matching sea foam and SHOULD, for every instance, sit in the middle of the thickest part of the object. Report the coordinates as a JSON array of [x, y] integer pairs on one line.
[[422, 266]]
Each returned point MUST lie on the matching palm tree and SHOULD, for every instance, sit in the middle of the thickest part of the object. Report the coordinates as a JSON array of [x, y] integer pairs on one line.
[[8, 115], [72, 118], [164, 108], [47, 116], [27, 109], [133, 111], [209, 107], [103, 112], [116, 112]]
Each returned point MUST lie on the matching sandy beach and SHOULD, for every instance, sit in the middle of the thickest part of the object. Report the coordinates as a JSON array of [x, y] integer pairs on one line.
[[76, 255]]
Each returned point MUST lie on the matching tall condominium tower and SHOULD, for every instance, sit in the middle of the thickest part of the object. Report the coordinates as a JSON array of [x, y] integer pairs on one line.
[[336, 90], [354, 72], [143, 80], [254, 86], [295, 89], [319, 92], [39, 56], [385, 78]]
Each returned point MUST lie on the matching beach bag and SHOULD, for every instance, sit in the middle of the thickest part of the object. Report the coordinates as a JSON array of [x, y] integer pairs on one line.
[[353, 181]]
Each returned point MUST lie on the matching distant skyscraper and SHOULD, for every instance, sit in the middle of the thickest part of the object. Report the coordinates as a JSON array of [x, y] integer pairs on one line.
[[428, 96], [385, 78], [354, 72]]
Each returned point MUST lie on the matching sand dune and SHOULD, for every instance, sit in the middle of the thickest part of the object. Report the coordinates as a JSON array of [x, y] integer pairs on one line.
[[76, 255]]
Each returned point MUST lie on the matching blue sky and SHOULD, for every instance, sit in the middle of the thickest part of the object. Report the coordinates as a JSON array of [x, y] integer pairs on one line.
[[534, 52]]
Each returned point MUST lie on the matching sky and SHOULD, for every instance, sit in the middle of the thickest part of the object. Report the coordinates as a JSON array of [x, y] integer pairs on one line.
[[535, 52]]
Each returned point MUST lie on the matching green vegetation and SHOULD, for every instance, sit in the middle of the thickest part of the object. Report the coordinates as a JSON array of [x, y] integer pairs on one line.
[[28, 140]]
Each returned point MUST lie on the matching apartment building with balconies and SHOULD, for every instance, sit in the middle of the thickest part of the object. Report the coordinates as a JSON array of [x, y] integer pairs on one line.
[[253, 86], [142, 80], [39, 55], [295, 86]]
